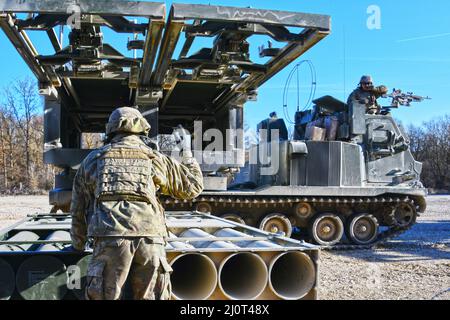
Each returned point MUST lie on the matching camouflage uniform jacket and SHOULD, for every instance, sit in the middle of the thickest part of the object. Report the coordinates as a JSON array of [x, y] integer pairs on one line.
[[368, 98], [128, 218]]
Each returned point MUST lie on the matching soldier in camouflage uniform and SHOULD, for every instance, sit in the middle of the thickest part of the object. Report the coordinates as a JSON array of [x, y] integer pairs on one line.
[[367, 94], [114, 202]]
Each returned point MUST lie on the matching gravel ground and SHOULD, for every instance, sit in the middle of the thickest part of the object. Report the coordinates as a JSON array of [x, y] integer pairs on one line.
[[415, 265], [14, 208]]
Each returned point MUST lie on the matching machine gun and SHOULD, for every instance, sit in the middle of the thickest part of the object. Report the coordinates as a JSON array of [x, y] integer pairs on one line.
[[400, 98]]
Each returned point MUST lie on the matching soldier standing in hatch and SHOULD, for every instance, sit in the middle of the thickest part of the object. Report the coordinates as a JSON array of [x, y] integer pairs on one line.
[[114, 202], [367, 94]]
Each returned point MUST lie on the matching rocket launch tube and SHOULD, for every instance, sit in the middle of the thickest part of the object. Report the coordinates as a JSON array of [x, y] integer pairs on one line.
[[21, 236], [243, 276], [291, 275], [57, 235], [194, 277]]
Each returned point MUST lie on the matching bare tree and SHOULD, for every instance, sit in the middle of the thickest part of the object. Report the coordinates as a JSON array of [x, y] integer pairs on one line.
[[3, 148], [8, 139], [430, 145], [22, 101]]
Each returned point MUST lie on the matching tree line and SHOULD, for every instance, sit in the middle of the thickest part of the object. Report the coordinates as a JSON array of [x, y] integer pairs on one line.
[[430, 144], [22, 169]]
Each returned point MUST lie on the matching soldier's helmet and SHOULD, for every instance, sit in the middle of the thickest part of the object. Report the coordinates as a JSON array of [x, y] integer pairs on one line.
[[127, 120], [366, 79]]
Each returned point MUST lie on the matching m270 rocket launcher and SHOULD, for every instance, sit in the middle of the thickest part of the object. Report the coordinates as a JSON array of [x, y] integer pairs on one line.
[[187, 63]]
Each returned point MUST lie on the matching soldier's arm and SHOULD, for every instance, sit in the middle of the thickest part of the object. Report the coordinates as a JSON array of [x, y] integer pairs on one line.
[[78, 209], [354, 97], [179, 180], [380, 91]]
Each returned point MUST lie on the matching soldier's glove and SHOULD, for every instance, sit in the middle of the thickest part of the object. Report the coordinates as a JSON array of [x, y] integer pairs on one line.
[[182, 138], [150, 142], [380, 90]]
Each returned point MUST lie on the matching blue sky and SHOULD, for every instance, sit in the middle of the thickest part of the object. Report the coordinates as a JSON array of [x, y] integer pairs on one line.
[[411, 51]]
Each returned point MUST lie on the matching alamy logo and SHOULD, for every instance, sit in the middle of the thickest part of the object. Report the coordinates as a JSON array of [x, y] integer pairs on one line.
[[374, 277], [214, 147], [374, 19], [74, 20], [74, 277]]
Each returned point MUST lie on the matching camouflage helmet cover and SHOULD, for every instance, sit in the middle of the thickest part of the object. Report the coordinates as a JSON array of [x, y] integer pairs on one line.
[[127, 120]]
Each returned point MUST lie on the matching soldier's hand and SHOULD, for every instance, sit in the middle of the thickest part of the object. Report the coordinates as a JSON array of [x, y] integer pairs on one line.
[[380, 90], [182, 138]]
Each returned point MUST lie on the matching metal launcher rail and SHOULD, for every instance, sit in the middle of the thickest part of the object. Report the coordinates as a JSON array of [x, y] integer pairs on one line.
[[86, 77], [212, 258]]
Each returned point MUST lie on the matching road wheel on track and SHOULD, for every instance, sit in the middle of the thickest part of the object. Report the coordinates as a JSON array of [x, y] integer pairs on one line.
[[362, 229], [405, 215], [326, 229], [276, 223], [233, 217]]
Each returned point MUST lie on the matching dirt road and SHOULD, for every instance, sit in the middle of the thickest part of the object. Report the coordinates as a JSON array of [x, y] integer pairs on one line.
[[415, 265]]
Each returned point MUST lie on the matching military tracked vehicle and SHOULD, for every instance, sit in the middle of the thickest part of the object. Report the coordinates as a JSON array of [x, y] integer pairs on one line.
[[195, 63], [346, 179], [362, 180]]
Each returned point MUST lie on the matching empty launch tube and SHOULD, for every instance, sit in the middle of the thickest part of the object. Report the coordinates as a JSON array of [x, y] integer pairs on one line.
[[42, 277], [21, 236], [7, 280], [291, 275], [243, 276], [194, 277]]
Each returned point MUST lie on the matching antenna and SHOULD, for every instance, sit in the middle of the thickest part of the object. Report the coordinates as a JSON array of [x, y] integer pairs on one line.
[[312, 92], [345, 61], [135, 37], [298, 91]]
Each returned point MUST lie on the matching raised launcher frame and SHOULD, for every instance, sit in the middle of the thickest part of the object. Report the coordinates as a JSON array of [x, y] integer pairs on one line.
[[212, 258], [83, 82]]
